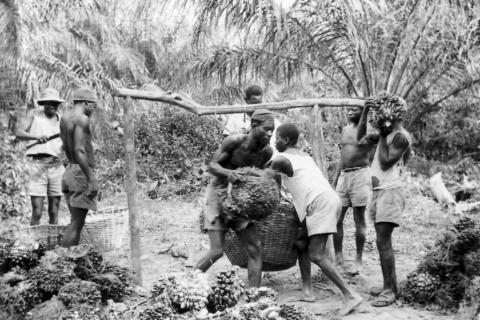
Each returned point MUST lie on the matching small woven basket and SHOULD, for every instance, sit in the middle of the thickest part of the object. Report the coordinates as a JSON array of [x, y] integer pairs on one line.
[[48, 234], [277, 234], [106, 229]]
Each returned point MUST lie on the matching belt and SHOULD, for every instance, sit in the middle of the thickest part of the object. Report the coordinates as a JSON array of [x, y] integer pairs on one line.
[[353, 169]]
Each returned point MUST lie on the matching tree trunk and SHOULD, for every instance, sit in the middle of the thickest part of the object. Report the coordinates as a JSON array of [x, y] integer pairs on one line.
[[316, 139], [131, 175], [318, 149]]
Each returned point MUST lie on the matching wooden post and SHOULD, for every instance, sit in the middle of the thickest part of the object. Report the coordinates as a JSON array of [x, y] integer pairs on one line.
[[131, 181], [316, 139], [318, 149]]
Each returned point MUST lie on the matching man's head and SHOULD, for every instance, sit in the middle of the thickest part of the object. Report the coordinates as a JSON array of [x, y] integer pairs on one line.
[[86, 97], [262, 123], [253, 95], [354, 114], [287, 136], [50, 100]]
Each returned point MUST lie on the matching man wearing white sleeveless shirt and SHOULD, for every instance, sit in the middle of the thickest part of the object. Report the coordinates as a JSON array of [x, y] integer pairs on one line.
[[317, 206], [45, 169]]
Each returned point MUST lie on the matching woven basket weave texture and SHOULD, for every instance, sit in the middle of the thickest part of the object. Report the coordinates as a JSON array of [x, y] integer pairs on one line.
[[277, 234]]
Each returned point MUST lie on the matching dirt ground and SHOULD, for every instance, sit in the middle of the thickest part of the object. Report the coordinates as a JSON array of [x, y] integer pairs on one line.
[[175, 222]]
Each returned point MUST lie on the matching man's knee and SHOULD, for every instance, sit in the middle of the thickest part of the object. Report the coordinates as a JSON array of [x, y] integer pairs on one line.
[[254, 249], [318, 258], [216, 253], [361, 231]]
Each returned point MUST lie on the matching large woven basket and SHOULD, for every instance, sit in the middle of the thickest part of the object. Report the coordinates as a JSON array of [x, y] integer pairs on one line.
[[277, 234], [48, 234], [106, 229]]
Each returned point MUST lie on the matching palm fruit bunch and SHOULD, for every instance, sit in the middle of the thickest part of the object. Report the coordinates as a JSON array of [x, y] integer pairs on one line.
[[186, 291], [467, 240], [80, 292], [87, 263], [254, 196], [20, 298], [24, 256], [420, 287], [254, 294], [386, 108], [471, 262], [110, 286], [292, 312], [124, 274], [249, 311], [52, 273], [226, 291], [451, 290], [464, 223], [438, 264], [159, 310]]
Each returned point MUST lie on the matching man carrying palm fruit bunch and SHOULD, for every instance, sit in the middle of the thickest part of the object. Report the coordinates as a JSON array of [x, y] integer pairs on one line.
[[392, 153], [237, 151]]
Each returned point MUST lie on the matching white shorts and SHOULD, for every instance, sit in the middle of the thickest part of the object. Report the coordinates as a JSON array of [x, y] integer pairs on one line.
[[45, 179], [322, 213]]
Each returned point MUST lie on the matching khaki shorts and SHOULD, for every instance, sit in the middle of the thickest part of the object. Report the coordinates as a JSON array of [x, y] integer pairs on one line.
[[387, 206], [45, 177], [355, 187], [322, 213], [74, 187], [212, 211]]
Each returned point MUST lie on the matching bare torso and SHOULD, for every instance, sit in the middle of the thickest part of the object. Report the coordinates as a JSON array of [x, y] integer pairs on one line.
[[70, 122], [354, 154], [237, 154]]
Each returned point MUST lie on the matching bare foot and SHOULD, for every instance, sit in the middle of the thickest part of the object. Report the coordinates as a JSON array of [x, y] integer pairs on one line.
[[350, 304]]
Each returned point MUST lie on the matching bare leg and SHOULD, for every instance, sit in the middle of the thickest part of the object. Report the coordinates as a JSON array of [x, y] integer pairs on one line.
[[249, 239], [360, 233], [53, 205], [387, 258], [74, 229], [338, 238], [217, 241], [305, 270], [37, 208], [319, 256]]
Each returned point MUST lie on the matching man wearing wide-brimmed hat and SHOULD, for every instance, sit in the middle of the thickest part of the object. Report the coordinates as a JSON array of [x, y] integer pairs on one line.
[[45, 168], [79, 184]]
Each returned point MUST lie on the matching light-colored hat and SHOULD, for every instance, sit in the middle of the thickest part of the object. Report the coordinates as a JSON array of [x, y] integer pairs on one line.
[[84, 94], [49, 94]]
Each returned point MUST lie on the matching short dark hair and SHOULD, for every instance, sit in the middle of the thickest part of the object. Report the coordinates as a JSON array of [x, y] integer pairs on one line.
[[289, 130], [253, 90]]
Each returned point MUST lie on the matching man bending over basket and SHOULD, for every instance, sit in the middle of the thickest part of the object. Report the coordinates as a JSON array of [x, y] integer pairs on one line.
[[317, 206], [236, 151]]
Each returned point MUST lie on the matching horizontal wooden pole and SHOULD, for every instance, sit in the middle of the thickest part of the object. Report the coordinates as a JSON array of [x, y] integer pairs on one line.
[[189, 104]]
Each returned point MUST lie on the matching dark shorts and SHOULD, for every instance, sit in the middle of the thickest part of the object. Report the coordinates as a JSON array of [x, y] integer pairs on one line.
[[387, 206], [74, 188]]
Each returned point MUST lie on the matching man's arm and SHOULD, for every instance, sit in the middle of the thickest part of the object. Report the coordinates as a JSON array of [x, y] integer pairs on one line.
[[22, 131], [389, 155], [283, 165], [362, 124], [223, 154], [79, 141]]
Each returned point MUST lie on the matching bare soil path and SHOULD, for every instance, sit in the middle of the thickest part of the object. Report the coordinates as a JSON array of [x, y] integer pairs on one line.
[[175, 222]]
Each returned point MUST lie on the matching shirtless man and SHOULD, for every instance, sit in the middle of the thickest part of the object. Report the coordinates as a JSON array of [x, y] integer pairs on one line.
[[236, 151], [317, 206], [45, 168], [353, 183], [79, 184]]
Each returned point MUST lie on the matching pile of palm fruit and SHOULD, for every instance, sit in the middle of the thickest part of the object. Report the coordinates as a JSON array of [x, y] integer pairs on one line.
[[63, 283], [448, 275]]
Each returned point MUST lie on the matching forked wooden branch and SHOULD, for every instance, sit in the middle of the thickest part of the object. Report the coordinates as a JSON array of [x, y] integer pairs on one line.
[[187, 103]]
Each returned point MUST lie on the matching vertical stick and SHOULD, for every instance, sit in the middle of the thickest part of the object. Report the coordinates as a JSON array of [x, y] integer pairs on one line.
[[316, 139], [131, 174], [318, 149]]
